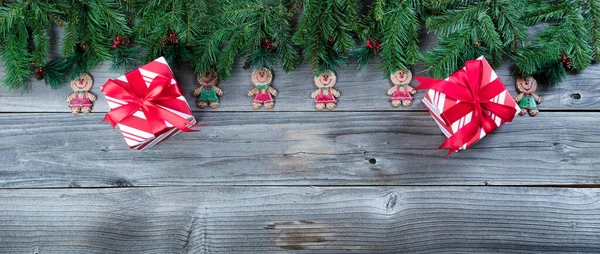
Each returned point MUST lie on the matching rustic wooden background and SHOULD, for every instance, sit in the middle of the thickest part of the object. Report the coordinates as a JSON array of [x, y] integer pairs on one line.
[[364, 178]]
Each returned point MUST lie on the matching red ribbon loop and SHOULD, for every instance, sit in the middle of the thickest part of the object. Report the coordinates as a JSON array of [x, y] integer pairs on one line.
[[150, 100], [474, 90]]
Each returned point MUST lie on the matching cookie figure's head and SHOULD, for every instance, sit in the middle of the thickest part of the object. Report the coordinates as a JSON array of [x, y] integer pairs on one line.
[[83, 82], [526, 85], [325, 79], [207, 78], [402, 76], [261, 76]]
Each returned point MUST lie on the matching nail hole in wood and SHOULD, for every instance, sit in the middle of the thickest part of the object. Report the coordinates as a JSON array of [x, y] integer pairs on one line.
[[576, 96], [372, 161]]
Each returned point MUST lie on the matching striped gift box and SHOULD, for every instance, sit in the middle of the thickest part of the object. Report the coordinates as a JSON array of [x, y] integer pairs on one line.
[[437, 102], [135, 129]]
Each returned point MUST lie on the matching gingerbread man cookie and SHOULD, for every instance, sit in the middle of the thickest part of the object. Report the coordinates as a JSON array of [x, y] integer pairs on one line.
[[401, 92], [527, 99], [208, 93], [325, 96], [81, 99], [263, 93]]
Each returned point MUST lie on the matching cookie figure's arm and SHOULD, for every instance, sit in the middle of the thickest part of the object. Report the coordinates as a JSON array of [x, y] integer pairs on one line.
[[519, 97], [537, 98], [314, 94], [218, 91], [91, 97], [335, 92], [252, 92], [70, 97], [410, 89], [198, 91], [273, 91], [391, 91]]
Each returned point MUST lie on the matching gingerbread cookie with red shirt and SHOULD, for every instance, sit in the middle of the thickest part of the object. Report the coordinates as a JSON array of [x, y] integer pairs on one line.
[[325, 96], [262, 93], [81, 99], [401, 92]]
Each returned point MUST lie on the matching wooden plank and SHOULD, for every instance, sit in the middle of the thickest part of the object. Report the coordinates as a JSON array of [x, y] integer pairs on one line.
[[298, 148], [361, 89], [300, 219]]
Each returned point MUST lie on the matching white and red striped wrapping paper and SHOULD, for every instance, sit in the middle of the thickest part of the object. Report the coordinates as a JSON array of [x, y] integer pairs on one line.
[[437, 102], [135, 129]]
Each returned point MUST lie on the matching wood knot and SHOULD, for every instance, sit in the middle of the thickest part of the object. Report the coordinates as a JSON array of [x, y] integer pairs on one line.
[[299, 235], [120, 183], [372, 161], [576, 96], [391, 201]]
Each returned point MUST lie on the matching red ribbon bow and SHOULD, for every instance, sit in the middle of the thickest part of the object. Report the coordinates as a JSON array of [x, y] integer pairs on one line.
[[473, 88], [151, 100]]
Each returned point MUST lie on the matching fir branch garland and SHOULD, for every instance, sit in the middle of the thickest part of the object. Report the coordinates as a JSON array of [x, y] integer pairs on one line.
[[325, 32], [259, 30], [170, 28], [391, 30], [473, 28], [565, 45], [89, 32], [24, 28]]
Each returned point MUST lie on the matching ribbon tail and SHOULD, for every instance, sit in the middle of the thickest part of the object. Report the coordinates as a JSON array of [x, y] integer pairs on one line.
[[160, 115], [108, 119], [462, 136]]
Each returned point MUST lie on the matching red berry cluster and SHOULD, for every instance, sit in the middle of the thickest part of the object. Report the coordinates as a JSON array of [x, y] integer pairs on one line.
[[121, 41], [117, 42], [268, 44], [374, 44]]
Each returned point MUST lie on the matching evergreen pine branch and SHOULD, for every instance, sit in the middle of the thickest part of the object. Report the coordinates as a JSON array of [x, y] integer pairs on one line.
[[438, 6], [454, 20], [325, 32], [282, 37], [229, 54], [41, 45], [450, 54], [532, 59], [506, 14], [363, 55], [581, 51], [157, 20], [539, 11], [482, 27], [16, 58], [400, 47], [56, 72], [488, 34], [10, 14], [125, 59], [592, 14], [568, 39], [24, 26], [553, 74]]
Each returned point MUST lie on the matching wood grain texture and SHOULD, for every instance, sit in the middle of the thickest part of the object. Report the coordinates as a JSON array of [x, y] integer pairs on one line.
[[298, 148], [300, 220], [360, 89]]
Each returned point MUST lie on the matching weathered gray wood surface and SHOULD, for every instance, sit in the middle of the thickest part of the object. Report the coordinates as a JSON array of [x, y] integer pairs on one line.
[[300, 220], [366, 178], [298, 148]]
